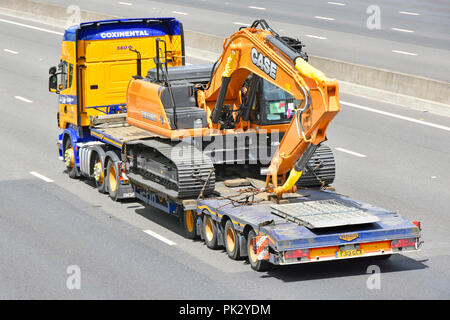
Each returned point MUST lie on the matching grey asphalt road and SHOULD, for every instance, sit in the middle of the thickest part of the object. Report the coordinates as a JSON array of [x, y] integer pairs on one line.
[[47, 226], [412, 37]]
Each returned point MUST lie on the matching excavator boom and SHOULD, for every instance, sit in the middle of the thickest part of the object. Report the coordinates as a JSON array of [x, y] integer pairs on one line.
[[263, 53]]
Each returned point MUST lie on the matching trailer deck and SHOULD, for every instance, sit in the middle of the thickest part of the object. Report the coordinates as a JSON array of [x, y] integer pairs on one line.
[[370, 234]]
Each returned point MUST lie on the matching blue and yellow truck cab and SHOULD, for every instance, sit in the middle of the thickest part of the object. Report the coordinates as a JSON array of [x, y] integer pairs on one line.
[[98, 59]]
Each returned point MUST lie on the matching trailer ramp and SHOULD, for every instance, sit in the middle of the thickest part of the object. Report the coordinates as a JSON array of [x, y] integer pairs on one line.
[[323, 213]]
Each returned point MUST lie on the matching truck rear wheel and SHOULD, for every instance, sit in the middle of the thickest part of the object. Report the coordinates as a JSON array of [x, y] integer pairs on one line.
[[188, 221], [99, 176], [112, 180], [210, 232], [231, 240], [258, 265], [69, 159]]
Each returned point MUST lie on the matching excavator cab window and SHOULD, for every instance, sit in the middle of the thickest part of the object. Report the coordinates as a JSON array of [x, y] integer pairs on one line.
[[276, 105]]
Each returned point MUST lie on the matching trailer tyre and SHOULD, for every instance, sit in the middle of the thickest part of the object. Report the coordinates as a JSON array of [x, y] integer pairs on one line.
[[112, 179], [188, 221], [69, 159], [258, 265], [210, 232], [231, 240]]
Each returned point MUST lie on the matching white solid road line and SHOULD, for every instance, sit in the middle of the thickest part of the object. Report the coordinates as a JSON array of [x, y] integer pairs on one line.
[[11, 51], [23, 99], [402, 30], [356, 154], [409, 13], [393, 115], [405, 52], [160, 237], [125, 3], [40, 176], [31, 27]]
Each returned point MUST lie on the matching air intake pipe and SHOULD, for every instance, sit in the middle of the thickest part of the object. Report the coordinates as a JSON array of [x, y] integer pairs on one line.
[[300, 64]]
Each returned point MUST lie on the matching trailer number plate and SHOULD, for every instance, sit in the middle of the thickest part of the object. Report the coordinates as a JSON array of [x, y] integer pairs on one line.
[[349, 253]]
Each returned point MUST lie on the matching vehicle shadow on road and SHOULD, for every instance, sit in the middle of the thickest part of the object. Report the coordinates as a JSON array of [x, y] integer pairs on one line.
[[161, 218], [344, 268]]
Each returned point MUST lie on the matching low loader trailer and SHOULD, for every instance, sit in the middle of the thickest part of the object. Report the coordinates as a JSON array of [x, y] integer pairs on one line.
[[224, 202]]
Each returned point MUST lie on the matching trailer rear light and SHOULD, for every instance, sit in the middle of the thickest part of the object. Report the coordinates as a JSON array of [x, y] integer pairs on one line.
[[296, 254], [418, 225], [403, 243]]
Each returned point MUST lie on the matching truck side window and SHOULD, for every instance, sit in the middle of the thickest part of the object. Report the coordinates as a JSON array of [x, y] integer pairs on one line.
[[70, 75]]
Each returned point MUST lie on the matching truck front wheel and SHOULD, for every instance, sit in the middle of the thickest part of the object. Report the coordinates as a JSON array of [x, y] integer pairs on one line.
[[69, 159]]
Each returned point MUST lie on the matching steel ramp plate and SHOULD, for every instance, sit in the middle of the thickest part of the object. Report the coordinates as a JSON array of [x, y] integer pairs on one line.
[[323, 213]]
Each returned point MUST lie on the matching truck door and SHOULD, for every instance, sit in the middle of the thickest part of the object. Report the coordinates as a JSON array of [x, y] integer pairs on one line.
[[67, 98]]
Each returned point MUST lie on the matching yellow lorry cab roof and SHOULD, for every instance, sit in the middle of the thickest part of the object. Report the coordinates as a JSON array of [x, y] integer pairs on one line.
[[123, 28]]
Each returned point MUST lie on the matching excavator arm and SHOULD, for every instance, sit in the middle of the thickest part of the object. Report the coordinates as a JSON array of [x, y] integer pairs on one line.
[[262, 52]]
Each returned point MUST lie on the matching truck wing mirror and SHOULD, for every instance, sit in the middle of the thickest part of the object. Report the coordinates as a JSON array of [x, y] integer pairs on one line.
[[53, 83], [52, 70]]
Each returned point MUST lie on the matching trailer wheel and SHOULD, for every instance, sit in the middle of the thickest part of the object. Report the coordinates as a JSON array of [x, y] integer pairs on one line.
[[112, 180], [99, 176], [258, 265], [69, 159], [231, 240], [210, 232], [188, 221]]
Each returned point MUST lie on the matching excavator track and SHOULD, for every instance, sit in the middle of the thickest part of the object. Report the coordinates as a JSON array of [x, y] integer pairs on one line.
[[320, 170], [179, 169]]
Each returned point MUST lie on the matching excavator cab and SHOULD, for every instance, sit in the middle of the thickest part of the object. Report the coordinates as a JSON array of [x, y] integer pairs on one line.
[[273, 105]]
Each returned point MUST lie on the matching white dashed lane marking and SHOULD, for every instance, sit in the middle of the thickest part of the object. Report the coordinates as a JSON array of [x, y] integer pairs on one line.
[[356, 154], [40, 176], [23, 99], [11, 51], [160, 237]]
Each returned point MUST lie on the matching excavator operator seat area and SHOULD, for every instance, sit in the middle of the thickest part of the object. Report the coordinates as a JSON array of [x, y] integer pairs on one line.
[[186, 112]]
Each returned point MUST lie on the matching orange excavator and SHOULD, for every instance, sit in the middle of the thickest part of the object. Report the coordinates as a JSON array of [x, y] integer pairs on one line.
[[261, 85]]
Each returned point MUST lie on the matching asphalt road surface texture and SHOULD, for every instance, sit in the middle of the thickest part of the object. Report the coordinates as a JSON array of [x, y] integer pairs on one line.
[[51, 226]]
